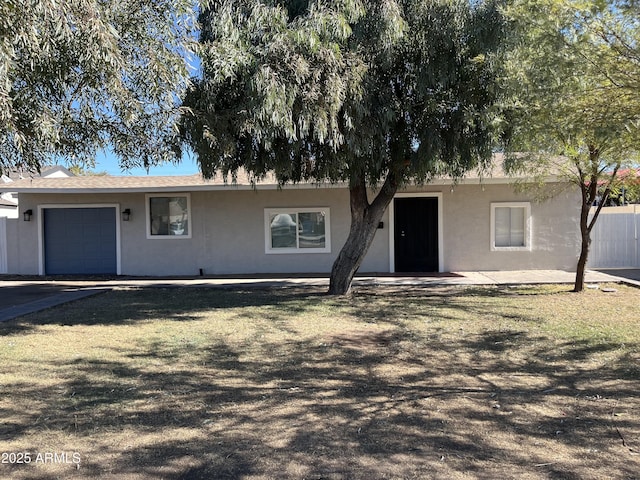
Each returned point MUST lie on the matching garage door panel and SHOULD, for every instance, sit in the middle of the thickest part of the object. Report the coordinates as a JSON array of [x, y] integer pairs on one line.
[[80, 240]]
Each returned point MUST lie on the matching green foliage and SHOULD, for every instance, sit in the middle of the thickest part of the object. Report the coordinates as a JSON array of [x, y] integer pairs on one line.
[[81, 170], [76, 76], [345, 89], [575, 74], [626, 187]]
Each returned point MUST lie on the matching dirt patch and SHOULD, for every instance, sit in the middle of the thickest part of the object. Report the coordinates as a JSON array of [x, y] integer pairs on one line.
[[364, 340]]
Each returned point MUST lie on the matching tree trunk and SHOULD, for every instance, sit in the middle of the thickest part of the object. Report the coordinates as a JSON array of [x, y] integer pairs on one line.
[[589, 192], [365, 218], [582, 260]]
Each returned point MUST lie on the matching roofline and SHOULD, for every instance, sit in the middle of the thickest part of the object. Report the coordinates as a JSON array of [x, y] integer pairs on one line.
[[258, 186], [172, 188]]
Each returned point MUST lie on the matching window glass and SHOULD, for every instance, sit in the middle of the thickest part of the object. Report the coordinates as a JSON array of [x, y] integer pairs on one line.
[[289, 230], [510, 228], [283, 230], [502, 226], [517, 227], [311, 231], [169, 216]]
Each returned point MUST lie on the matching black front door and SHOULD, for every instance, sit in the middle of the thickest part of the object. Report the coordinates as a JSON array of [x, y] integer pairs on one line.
[[416, 234]]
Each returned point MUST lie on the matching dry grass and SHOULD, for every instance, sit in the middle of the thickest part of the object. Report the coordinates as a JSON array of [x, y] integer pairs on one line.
[[451, 383]]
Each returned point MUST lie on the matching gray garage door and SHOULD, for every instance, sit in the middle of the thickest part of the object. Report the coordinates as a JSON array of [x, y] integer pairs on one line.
[[80, 241]]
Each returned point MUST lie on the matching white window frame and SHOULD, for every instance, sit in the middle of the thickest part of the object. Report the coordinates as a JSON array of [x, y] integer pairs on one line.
[[527, 226], [269, 250], [147, 202]]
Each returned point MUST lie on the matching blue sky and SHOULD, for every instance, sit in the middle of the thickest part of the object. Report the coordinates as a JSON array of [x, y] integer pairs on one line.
[[107, 162]]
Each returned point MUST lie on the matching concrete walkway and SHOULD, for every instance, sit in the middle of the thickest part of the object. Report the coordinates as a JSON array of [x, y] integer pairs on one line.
[[20, 297]]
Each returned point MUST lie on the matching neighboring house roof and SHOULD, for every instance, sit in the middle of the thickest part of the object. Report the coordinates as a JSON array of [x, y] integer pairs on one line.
[[630, 175], [131, 184], [55, 171], [8, 181], [6, 203]]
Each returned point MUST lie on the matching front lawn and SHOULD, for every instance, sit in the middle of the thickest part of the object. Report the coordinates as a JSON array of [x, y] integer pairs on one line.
[[431, 383]]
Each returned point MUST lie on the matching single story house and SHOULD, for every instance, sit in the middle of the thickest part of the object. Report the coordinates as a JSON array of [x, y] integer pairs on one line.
[[163, 226]]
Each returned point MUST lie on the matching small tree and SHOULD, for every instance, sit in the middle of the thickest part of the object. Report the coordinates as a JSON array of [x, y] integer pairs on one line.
[[575, 72], [627, 188], [376, 94], [77, 76]]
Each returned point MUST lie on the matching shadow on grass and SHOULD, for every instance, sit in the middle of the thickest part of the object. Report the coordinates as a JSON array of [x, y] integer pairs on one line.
[[394, 403], [122, 307]]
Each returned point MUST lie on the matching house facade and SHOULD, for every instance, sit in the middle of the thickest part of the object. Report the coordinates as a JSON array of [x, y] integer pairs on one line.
[[163, 226]]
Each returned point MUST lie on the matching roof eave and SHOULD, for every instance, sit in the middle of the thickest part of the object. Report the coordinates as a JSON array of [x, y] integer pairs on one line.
[[172, 188], [245, 187]]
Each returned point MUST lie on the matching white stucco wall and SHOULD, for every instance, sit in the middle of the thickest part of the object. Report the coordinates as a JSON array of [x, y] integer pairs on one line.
[[467, 227], [228, 232], [12, 248]]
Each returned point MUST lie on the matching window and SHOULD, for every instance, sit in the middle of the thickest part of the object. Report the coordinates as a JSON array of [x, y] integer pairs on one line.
[[169, 217], [302, 230], [511, 226]]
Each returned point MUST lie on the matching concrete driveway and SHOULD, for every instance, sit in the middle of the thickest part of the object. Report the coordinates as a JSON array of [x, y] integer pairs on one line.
[[12, 294], [19, 298], [628, 273]]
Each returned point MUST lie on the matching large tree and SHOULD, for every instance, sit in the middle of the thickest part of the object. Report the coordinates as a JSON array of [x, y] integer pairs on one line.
[[77, 76], [376, 94], [575, 72]]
